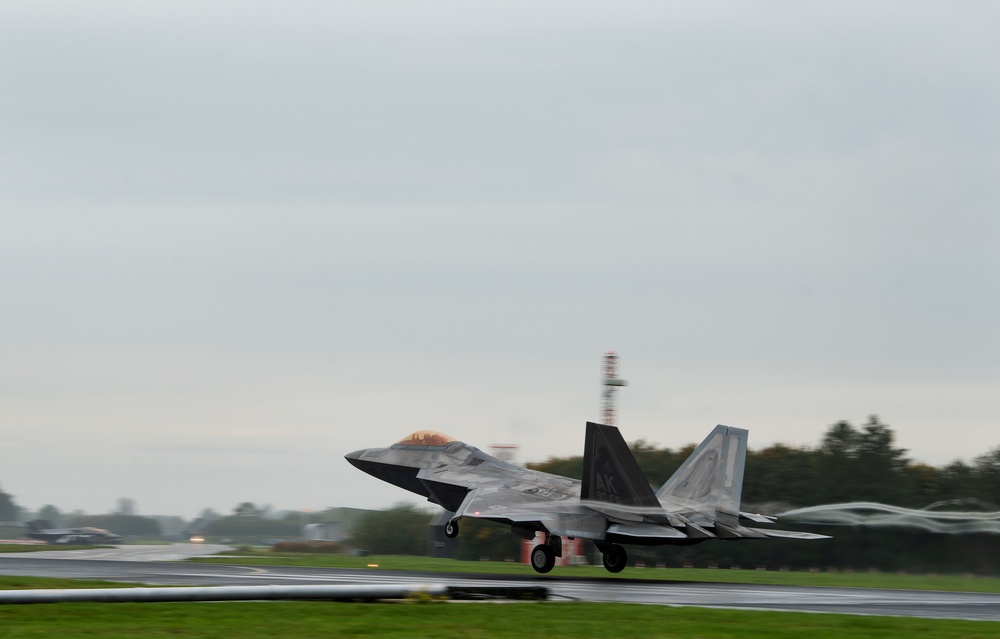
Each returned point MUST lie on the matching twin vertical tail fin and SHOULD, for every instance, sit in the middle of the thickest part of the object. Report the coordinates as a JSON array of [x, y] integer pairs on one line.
[[703, 493], [39, 525], [610, 472], [713, 475]]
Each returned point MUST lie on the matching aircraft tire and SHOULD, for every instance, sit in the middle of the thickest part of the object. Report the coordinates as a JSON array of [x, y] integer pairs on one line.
[[451, 529], [615, 559], [543, 558]]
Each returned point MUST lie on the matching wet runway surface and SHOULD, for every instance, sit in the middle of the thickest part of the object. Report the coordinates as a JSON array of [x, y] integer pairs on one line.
[[154, 565]]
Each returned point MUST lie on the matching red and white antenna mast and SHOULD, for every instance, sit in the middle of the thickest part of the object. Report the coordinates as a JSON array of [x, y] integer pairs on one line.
[[611, 383]]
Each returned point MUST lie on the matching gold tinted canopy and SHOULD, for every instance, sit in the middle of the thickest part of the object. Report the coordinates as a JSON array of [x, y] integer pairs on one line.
[[426, 438]]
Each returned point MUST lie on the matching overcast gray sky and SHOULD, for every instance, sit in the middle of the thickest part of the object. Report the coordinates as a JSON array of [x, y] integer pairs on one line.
[[240, 239]]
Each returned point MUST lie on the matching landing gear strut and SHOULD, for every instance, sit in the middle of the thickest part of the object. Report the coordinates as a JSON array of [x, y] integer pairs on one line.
[[451, 529], [615, 558]]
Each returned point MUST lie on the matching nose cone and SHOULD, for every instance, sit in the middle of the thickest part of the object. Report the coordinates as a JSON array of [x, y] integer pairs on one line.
[[355, 457]]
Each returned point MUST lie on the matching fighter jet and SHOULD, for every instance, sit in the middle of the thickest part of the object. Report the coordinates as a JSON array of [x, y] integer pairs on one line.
[[42, 530], [611, 506]]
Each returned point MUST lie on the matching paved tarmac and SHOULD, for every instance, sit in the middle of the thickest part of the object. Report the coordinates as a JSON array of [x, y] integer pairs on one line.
[[155, 565]]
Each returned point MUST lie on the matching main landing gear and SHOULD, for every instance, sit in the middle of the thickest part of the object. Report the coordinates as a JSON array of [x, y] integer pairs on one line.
[[614, 556], [543, 556], [451, 529]]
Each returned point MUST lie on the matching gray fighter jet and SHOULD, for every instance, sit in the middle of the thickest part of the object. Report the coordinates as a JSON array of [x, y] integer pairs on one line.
[[42, 530], [612, 505]]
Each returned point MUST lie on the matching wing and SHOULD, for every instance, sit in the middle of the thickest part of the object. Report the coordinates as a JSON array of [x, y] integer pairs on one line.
[[506, 505]]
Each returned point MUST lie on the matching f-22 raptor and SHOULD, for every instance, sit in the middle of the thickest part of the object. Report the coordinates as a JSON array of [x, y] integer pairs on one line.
[[613, 504]]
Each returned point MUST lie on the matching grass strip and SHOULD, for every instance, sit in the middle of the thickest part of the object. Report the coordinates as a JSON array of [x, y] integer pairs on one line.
[[42, 547], [293, 620], [39, 583]]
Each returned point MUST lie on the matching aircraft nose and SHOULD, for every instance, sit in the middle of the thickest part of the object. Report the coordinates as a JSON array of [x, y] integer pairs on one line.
[[355, 457]]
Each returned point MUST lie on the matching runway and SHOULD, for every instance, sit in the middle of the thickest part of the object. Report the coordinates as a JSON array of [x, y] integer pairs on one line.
[[145, 564]]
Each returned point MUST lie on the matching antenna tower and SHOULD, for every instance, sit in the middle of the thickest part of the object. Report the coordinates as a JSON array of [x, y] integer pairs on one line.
[[611, 383]]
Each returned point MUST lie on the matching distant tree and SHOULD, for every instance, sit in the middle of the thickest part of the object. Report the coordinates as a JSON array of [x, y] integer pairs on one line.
[[881, 466], [840, 440], [401, 530], [252, 528], [564, 466], [862, 465], [169, 524], [986, 470], [125, 525], [781, 475], [658, 464], [296, 517], [957, 478], [9, 511], [126, 506], [209, 514], [248, 509], [923, 484], [50, 513]]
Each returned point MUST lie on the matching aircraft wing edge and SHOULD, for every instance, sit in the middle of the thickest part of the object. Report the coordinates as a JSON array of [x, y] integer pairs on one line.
[[645, 531]]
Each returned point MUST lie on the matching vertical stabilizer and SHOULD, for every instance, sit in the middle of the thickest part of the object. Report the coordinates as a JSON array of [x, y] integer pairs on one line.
[[38, 525], [610, 472], [712, 477]]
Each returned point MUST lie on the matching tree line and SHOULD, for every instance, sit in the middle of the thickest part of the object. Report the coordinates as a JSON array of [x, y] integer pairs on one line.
[[247, 523]]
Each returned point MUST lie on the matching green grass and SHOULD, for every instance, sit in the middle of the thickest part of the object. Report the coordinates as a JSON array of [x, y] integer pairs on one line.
[[41, 547], [38, 583], [430, 564], [299, 619], [293, 620]]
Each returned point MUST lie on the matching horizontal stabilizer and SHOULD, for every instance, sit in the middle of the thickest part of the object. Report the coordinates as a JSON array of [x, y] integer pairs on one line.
[[723, 531], [758, 518], [789, 534]]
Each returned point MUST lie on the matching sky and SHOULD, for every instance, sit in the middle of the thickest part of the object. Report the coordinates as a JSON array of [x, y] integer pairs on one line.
[[241, 239]]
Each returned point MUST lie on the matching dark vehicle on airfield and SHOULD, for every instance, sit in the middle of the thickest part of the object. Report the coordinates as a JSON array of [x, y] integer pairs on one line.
[[43, 531]]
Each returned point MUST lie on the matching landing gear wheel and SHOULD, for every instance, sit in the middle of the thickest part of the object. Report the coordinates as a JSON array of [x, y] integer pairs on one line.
[[543, 558], [451, 529], [615, 559]]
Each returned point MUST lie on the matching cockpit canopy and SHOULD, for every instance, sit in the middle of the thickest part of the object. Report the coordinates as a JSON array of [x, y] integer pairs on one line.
[[426, 438]]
